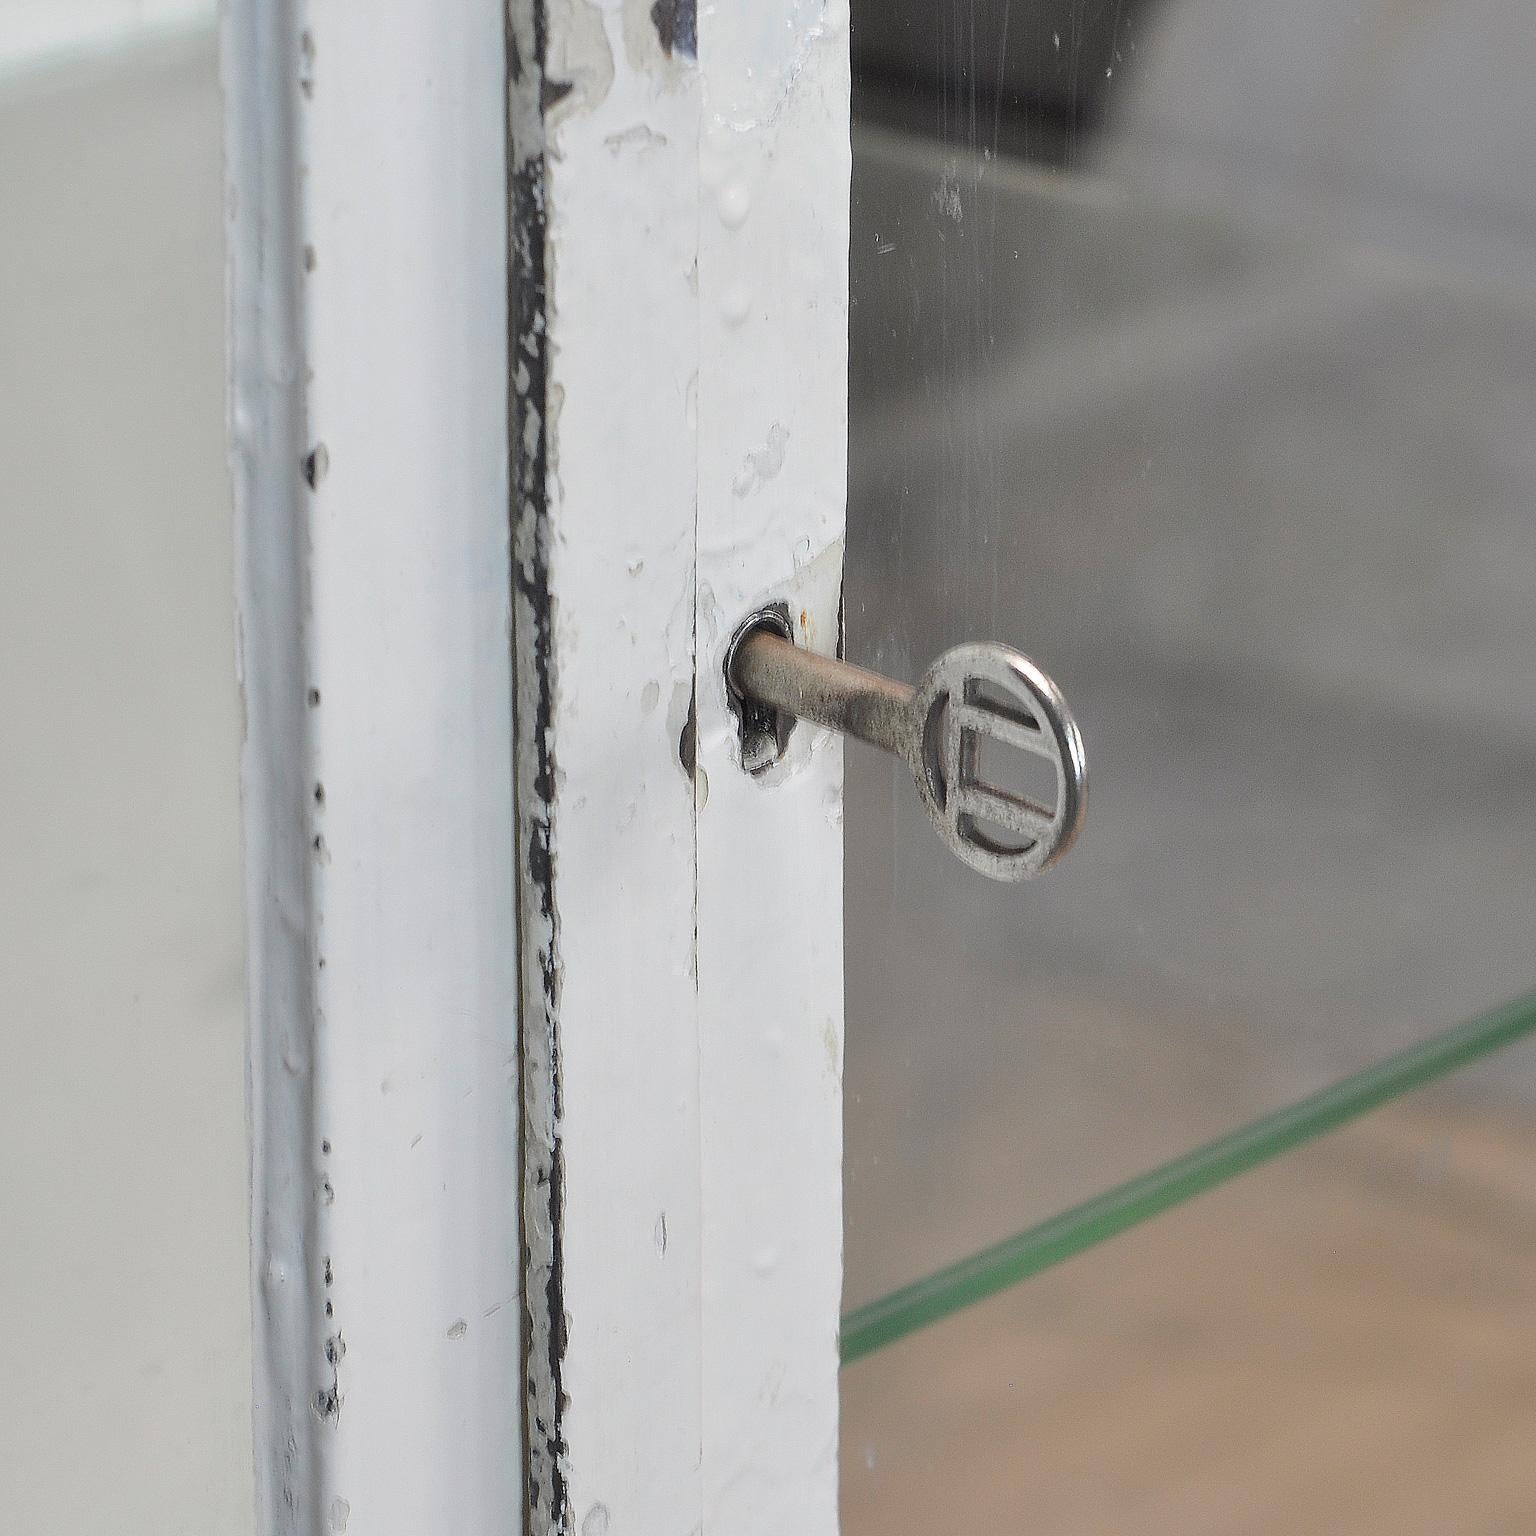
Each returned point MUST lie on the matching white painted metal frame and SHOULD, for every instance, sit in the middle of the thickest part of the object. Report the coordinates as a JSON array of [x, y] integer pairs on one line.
[[369, 410], [676, 246], [681, 228]]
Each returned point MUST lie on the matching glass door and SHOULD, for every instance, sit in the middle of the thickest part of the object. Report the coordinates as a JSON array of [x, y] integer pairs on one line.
[[1194, 353]]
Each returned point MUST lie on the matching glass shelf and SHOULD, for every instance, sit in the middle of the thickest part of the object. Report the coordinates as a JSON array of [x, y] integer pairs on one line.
[[982, 1275]]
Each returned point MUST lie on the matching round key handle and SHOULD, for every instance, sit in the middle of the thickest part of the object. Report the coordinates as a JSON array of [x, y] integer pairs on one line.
[[973, 707]]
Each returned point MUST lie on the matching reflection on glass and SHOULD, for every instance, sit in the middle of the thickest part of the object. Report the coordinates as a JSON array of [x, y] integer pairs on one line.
[[1194, 353]]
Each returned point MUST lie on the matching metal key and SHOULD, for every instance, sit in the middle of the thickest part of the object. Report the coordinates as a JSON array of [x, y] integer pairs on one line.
[[973, 694]]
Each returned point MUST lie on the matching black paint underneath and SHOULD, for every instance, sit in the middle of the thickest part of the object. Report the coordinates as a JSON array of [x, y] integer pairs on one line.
[[677, 27]]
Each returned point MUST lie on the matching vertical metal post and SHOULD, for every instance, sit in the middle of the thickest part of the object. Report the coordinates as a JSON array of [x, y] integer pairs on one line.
[[680, 237], [368, 403]]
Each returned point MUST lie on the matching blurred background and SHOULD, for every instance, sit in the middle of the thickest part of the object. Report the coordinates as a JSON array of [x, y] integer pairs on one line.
[[124, 1353], [1194, 352]]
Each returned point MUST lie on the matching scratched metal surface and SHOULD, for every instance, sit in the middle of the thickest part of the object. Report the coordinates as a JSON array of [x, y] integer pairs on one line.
[[1228, 425]]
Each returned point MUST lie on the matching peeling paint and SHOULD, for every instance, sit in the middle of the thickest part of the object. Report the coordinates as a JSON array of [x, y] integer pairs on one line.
[[677, 27], [307, 64], [268, 441], [683, 704], [531, 50], [639, 137], [762, 464], [578, 61], [660, 40], [327, 1400], [610, 177], [316, 464]]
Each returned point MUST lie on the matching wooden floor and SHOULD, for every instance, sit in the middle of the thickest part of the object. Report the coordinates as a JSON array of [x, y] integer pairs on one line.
[[1342, 1342]]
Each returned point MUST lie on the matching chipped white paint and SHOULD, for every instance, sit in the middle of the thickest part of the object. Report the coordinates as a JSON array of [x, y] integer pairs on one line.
[[683, 958], [614, 1427], [368, 417]]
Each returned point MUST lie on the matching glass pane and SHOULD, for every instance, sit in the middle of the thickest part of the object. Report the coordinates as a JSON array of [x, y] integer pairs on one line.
[[1194, 353], [1340, 1343]]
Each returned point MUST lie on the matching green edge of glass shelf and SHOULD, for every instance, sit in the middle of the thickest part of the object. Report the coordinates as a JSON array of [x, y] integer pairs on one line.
[[994, 1269]]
